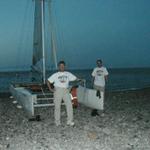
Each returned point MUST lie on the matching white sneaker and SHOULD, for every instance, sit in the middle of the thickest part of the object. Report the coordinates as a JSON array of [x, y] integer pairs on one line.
[[70, 123]]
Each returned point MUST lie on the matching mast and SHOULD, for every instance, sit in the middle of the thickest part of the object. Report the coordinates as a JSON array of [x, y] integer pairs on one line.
[[43, 40], [54, 49], [38, 60]]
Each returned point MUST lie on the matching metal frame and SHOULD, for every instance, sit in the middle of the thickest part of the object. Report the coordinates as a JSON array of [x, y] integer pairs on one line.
[[29, 101]]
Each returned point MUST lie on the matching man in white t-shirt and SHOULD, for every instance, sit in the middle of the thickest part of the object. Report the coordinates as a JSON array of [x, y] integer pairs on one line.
[[100, 75], [61, 80]]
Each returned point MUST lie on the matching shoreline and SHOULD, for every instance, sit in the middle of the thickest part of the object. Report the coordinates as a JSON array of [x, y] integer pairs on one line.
[[129, 90]]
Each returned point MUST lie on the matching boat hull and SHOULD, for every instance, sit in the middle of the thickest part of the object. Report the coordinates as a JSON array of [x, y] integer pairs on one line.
[[30, 97], [88, 98], [30, 100], [24, 98]]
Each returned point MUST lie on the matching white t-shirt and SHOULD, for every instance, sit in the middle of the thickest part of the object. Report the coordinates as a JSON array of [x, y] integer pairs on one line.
[[61, 79], [99, 73]]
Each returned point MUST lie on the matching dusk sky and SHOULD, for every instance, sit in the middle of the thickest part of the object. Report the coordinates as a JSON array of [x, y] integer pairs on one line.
[[117, 31]]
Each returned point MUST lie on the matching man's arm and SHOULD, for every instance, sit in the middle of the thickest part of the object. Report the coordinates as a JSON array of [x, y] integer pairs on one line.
[[93, 78], [79, 79], [106, 74], [49, 86], [106, 78]]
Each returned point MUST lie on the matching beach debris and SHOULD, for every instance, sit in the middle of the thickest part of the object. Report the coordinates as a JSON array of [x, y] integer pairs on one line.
[[14, 102], [19, 106], [8, 145], [130, 146], [92, 135], [36, 118]]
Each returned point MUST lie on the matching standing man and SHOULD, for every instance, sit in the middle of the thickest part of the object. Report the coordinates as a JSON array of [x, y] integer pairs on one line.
[[61, 81], [100, 75]]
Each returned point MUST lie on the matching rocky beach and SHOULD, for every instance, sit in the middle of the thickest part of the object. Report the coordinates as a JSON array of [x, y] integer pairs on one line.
[[123, 125]]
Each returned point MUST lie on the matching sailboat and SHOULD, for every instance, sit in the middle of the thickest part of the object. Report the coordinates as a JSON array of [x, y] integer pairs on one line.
[[33, 95]]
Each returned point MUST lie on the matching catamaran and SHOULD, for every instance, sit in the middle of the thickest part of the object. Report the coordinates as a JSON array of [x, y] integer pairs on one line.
[[34, 95]]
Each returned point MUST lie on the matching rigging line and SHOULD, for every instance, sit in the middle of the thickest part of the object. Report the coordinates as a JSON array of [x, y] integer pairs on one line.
[[43, 39], [21, 36], [50, 32], [53, 32], [47, 39], [28, 36], [47, 35], [19, 43], [43, 92], [61, 36], [53, 35]]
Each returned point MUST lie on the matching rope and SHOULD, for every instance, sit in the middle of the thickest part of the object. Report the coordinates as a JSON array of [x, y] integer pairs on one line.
[[52, 30], [18, 61], [20, 49], [28, 35]]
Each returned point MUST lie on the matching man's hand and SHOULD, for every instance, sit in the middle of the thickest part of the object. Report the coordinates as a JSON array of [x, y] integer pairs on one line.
[[106, 78], [49, 87], [79, 80], [52, 90]]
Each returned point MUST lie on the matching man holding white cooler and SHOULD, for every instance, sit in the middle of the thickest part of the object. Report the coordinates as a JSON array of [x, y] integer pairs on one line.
[[100, 75]]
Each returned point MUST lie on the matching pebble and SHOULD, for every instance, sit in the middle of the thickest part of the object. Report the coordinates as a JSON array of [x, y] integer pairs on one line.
[[19, 106], [11, 97], [35, 142], [102, 115], [7, 138], [14, 102], [106, 131]]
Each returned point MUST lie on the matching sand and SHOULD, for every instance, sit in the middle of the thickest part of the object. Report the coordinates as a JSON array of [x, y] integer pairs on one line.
[[124, 125]]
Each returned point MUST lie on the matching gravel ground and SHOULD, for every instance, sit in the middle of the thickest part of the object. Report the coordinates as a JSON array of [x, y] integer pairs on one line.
[[124, 125]]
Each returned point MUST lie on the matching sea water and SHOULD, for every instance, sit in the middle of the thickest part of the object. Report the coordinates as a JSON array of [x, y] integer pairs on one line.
[[119, 79]]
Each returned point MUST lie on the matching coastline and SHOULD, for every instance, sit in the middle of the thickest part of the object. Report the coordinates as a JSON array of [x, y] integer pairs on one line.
[[124, 125]]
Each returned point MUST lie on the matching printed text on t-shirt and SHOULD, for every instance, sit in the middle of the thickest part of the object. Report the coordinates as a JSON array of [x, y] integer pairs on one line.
[[99, 72], [62, 78]]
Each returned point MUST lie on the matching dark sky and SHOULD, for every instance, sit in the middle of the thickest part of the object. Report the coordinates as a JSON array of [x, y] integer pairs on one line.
[[117, 31]]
